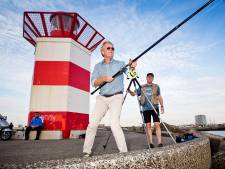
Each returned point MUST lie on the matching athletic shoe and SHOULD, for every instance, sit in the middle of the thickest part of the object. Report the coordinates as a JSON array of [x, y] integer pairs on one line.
[[86, 155], [160, 145], [152, 146]]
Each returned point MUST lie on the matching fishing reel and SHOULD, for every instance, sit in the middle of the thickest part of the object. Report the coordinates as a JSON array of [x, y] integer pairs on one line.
[[132, 73]]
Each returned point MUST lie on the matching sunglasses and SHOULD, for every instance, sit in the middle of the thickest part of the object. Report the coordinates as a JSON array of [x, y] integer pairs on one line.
[[112, 48]]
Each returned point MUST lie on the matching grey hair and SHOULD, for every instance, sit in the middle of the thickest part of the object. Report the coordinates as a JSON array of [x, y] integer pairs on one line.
[[105, 42]]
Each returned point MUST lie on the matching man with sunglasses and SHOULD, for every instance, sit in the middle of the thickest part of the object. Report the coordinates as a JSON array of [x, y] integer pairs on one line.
[[110, 98]]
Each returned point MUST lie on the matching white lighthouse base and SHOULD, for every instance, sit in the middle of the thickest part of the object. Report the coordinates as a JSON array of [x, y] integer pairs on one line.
[[76, 133], [47, 135]]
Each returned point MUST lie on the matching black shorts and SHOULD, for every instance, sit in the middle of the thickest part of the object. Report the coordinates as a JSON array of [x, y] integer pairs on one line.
[[148, 113]]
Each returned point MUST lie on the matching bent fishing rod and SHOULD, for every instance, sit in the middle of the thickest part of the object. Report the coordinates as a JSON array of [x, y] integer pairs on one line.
[[154, 44]]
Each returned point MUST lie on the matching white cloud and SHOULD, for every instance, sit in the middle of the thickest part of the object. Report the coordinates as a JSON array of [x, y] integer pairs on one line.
[[187, 97]]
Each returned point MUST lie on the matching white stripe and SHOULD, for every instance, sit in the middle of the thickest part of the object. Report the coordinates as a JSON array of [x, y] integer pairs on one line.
[[62, 49], [47, 135], [59, 98]]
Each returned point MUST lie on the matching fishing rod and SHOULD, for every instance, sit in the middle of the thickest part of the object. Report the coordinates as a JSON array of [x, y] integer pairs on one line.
[[157, 42]]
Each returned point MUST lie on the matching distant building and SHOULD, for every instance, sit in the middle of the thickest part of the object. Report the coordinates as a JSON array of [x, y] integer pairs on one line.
[[200, 120]]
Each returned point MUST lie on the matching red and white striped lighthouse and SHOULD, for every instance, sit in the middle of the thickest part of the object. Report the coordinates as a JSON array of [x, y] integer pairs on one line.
[[61, 81]]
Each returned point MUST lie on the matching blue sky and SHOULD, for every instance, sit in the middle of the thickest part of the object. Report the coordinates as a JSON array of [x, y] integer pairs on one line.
[[188, 65]]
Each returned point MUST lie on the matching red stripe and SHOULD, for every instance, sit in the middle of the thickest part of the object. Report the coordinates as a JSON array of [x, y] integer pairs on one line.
[[64, 121], [61, 73]]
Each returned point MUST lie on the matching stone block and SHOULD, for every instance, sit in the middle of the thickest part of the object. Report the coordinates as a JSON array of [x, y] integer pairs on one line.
[[76, 133], [47, 135]]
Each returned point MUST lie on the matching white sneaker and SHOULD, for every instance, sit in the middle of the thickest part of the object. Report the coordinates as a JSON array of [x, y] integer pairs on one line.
[[86, 155]]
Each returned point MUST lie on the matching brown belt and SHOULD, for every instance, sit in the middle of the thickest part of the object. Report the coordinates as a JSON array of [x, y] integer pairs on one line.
[[113, 94]]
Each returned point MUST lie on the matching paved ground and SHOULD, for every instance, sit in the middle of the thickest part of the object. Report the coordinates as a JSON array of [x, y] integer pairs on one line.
[[21, 152]]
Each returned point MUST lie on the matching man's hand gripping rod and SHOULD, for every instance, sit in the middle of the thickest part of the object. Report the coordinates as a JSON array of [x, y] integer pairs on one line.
[[158, 41]]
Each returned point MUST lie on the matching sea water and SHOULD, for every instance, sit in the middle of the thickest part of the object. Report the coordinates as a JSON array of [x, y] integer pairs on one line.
[[217, 132]]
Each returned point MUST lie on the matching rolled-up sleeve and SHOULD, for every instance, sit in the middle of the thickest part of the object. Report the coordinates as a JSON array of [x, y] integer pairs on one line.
[[139, 91], [94, 75], [122, 65], [158, 91]]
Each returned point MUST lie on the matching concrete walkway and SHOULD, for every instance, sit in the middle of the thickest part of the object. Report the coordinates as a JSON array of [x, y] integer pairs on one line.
[[21, 152]]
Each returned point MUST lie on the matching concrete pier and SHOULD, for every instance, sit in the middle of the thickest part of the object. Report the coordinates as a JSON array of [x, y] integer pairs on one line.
[[66, 154]]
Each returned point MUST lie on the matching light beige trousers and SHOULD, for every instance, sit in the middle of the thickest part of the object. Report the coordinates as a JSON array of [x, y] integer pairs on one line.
[[103, 104]]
